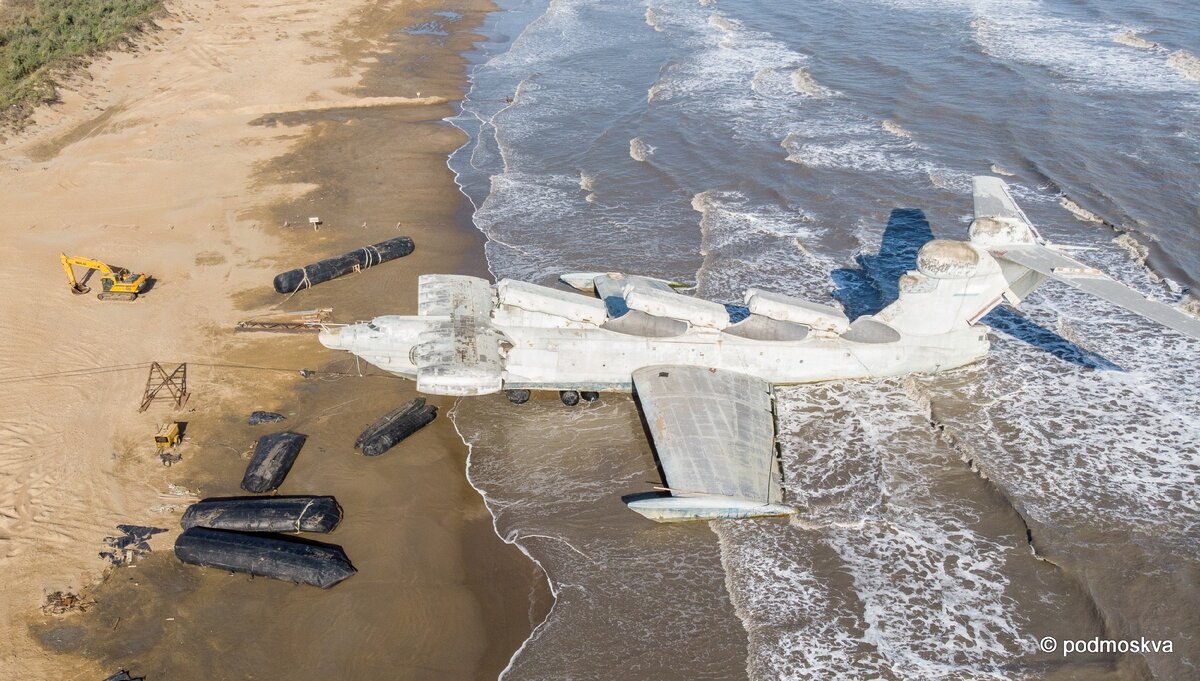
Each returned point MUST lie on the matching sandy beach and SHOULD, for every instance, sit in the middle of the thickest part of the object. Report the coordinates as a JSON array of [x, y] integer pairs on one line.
[[198, 157]]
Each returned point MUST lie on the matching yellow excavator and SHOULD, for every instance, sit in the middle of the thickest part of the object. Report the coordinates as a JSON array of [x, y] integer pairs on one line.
[[118, 283]]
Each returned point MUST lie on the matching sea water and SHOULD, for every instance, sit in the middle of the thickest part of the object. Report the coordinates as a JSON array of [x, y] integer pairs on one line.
[[949, 522]]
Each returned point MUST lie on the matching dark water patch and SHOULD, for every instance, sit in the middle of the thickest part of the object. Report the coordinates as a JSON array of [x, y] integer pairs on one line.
[[135, 612], [131, 544]]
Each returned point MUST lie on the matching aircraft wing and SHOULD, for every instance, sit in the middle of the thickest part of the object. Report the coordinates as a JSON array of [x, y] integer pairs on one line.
[[1058, 266], [714, 432], [441, 295], [460, 356]]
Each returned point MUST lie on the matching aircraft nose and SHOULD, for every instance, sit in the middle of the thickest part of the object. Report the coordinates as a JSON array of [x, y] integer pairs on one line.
[[331, 338]]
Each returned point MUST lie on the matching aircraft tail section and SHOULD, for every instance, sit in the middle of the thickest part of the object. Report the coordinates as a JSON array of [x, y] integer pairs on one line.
[[1002, 229], [956, 284], [1048, 262], [993, 200]]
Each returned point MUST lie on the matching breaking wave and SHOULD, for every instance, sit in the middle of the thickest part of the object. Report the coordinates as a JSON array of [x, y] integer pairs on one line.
[[1186, 63], [737, 236], [894, 128], [1132, 39], [1080, 212], [805, 84], [652, 19], [999, 170], [639, 150]]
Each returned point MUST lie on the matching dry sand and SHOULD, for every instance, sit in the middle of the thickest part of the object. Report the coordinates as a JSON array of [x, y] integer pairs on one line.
[[184, 159]]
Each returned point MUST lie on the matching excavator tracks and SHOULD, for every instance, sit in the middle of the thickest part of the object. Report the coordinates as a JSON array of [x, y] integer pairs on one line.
[[109, 295]]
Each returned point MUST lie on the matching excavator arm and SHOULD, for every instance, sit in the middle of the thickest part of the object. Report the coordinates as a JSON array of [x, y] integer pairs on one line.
[[68, 263]]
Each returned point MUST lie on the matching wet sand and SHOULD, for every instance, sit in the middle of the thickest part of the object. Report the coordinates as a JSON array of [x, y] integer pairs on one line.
[[188, 158]]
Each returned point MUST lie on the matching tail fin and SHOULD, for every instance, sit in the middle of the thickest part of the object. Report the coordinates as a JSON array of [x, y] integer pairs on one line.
[[957, 283], [998, 218], [1002, 229]]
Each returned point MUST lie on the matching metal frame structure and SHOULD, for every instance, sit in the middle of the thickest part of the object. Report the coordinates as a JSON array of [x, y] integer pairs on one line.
[[175, 383]]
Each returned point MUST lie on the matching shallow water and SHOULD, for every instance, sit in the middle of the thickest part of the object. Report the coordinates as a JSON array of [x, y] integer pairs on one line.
[[952, 520]]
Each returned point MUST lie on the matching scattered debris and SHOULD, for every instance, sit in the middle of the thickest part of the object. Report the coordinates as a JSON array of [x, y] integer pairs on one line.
[[133, 542], [177, 493], [257, 417], [307, 321], [393, 427], [61, 602], [265, 514], [174, 490], [123, 675], [292, 560], [354, 261], [169, 457], [273, 458]]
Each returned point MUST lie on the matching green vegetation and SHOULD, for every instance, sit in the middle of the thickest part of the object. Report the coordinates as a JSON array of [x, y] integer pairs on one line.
[[39, 35]]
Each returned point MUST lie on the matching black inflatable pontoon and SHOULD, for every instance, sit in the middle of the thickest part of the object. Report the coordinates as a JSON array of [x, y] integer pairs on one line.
[[265, 514], [393, 427], [290, 560], [332, 268], [273, 458]]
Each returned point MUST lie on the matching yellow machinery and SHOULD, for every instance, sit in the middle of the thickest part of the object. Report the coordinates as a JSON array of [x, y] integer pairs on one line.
[[168, 435], [118, 283]]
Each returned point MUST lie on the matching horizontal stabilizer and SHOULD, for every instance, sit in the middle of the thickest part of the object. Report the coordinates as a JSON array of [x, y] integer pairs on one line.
[[714, 432], [1058, 266]]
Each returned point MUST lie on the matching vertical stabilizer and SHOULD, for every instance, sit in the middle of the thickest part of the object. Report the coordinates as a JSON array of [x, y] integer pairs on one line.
[[956, 284], [994, 200], [1026, 259], [998, 218]]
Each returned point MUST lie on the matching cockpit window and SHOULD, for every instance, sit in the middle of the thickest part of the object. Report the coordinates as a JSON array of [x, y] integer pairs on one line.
[[371, 326]]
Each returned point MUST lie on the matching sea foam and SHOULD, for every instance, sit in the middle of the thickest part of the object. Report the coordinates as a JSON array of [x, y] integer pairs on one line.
[[639, 150]]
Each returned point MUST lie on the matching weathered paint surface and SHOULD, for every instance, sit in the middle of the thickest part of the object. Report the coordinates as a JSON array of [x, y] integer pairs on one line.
[[471, 338]]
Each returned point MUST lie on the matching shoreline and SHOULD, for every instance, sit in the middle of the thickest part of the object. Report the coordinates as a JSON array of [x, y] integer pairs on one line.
[[437, 598], [543, 597]]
